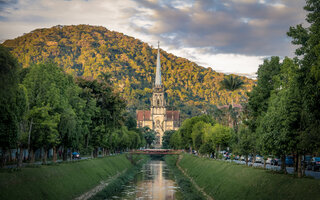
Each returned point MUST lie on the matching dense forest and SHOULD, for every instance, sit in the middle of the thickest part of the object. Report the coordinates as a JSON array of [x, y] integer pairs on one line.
[[87, 51]]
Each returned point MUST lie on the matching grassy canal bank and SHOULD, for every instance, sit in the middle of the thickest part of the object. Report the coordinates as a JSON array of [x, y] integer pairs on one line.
[[222, 180], [60, 181], [188, 190]]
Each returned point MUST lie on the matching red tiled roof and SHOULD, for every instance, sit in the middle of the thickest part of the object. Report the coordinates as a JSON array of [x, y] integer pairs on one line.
[[175, 114], [143, 115]]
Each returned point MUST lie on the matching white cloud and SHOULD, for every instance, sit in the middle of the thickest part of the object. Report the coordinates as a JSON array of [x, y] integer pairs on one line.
[[173, 23]]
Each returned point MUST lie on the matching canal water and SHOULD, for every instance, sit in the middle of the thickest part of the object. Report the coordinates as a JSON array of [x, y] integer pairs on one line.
[[154, 181]]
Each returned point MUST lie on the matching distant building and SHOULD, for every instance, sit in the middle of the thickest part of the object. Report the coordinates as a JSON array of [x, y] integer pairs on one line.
[[158, 117]]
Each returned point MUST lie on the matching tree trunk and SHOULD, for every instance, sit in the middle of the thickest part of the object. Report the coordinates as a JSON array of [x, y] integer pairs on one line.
[[283, 164], [3, 157], [19, 163], [299, 166], [264, 164], [247, 160], [44, 155], [29, 139], [10, 155], [32, 156], [70, 155], [304, 166], [64, 154], [295, 163], [253, 159], [54, 157]]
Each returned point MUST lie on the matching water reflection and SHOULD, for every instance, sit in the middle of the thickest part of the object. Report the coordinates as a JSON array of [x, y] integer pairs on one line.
[[155, 181]]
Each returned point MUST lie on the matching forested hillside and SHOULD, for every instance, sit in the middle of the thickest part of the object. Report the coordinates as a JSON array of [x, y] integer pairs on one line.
[[87, 51]]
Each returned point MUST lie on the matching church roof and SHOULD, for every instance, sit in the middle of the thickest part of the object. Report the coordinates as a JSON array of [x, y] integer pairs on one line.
[[143, 115], [173, 115], [158, 69]]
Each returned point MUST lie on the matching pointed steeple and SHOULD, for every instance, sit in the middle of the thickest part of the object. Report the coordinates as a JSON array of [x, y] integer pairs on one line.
[[158, 69]]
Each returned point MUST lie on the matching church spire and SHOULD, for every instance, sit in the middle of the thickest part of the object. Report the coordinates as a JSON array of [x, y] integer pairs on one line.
[[158, 69]]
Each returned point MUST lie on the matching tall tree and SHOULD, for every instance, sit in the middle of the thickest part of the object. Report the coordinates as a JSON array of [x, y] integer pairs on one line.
[[9, 80], [231, 83], [54, 99], [308, 40], [166, 139]]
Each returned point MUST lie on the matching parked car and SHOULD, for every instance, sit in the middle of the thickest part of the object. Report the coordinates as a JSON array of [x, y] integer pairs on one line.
[[242, 158], [269, 161], [289, 161], [259, 159], [315, 163], [76, 155], [276, 161], [306, 162]]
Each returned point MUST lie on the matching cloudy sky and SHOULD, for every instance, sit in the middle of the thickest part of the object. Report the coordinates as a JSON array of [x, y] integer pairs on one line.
[[227, 35]]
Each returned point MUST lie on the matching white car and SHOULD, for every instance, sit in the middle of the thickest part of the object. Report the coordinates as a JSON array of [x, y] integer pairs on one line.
[[268, 161]]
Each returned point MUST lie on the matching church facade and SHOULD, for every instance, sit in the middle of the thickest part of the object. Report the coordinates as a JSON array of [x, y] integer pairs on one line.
[[158, 118]]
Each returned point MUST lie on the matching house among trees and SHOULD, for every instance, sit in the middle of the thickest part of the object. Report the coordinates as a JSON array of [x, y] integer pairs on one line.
[[158, 117]]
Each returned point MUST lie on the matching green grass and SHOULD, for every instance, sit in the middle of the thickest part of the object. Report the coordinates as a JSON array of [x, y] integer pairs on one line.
[[223, 180], [187, 190], [61, 181]]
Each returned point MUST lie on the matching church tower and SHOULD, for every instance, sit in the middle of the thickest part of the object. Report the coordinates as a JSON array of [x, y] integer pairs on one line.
[[158, 104], [158, 118]]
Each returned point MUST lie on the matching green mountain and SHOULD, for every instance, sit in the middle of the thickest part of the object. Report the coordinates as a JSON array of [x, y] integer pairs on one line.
[[85, 50]]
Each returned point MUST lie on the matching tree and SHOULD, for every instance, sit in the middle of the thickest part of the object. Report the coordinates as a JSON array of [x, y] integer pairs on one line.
[[54, 105], [9, 109], [246, 143], [175, 140], [197, 135], [185, 130], [308, 40], [221, 136], [166, 139], [149, 135], [231, 83]]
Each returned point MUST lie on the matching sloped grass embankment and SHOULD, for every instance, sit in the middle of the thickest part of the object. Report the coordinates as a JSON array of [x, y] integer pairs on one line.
[[188, 190], [61, 181], [223, 180]]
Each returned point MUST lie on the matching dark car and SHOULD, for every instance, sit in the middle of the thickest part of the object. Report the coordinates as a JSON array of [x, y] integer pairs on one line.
[[76, 155], [275, 161], [315, 163], [307, 162], [289, 161]]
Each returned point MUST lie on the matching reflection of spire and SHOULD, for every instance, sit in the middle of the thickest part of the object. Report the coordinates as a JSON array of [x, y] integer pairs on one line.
[[158, 69]]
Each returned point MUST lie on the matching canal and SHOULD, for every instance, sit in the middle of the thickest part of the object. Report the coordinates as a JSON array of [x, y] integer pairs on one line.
[[154, 181]]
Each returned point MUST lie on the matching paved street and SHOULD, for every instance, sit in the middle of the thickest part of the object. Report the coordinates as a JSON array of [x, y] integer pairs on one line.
[[290, 170], [48, 162]]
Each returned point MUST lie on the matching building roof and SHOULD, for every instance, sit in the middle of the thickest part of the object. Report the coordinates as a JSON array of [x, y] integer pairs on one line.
[[143, 115], [158, 69], [173, 115]]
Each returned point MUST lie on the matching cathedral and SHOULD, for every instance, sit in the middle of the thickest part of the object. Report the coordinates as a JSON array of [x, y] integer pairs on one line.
[[158, 118]]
